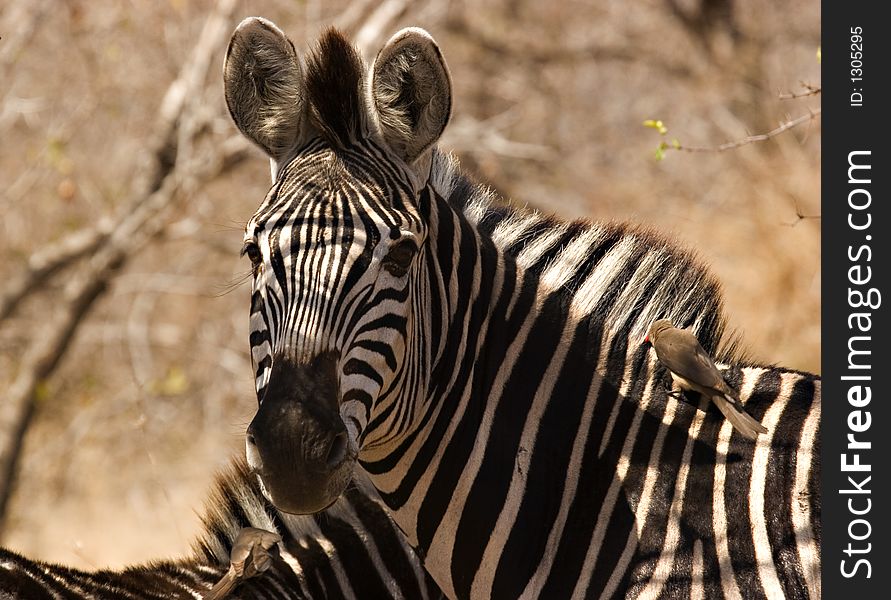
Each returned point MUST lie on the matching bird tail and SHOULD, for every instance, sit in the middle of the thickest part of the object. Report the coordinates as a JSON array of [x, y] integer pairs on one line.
[[738, 417]]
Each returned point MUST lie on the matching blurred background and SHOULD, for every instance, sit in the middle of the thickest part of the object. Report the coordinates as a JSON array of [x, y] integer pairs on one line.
[[124, 189]]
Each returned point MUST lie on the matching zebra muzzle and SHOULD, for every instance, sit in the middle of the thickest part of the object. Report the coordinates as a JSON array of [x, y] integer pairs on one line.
[[297, 442]]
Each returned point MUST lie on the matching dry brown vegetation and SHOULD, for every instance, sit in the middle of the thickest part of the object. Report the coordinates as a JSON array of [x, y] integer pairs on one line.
[[154, 391]]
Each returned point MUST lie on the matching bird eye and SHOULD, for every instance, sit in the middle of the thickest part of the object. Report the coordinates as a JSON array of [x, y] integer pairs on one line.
[[398, 259], [252, 250]]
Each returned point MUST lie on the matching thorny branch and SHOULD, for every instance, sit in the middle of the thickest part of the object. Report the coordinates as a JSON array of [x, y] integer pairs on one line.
[[810, 90], [810, 116]]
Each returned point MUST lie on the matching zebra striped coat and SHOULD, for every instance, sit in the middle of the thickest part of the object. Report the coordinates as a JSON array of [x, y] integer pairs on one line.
[[353, 550], [485, 367]]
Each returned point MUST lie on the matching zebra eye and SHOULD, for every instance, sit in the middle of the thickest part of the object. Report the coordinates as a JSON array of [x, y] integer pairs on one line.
[[398, 259], [252, 250]]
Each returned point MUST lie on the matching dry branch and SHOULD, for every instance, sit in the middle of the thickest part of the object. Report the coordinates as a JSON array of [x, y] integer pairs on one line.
[[809, 90], [166, 173], [46, 263], [515, 49], [19, 24], [472, 136], [43, 357], [751, 138], [378, 24]]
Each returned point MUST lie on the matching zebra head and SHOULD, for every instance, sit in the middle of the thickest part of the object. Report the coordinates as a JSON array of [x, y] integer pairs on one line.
[[336, 244]]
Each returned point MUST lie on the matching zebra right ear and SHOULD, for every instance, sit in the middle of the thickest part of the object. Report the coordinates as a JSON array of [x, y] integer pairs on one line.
[[264, 86]]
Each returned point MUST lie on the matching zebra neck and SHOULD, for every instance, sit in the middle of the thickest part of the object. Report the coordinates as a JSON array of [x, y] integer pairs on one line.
[[459, 299], [481, 314]]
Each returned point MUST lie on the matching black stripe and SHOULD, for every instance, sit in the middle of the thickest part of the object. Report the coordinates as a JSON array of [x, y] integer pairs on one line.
[[489, 489], [548, 466]]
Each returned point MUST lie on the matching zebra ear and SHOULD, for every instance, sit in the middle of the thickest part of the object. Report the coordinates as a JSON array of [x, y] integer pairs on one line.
[[264, 86], [411, 93]]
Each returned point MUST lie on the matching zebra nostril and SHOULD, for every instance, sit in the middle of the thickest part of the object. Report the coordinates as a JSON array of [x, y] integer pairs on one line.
[[338, 450], [250, 440]]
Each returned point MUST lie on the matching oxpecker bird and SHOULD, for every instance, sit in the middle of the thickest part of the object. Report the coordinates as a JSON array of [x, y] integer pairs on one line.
[[693, 369]]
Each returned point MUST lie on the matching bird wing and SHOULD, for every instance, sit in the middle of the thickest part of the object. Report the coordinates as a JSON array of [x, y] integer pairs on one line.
[[686, 357]]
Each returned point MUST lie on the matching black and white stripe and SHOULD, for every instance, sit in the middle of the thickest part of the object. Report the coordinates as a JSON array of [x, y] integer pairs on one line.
[[497, 392], [352, 550]]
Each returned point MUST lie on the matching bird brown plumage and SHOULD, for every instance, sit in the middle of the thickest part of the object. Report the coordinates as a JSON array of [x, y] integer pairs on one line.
[[693, 369]]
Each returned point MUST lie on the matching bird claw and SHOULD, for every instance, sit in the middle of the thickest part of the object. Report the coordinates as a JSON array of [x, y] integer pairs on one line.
[[252, 554]]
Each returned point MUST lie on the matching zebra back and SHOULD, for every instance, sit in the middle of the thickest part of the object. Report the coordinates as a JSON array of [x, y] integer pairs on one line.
[[691, 508]]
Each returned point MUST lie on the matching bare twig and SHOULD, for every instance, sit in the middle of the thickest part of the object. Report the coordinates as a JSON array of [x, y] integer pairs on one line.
[[46, 263], [751, 138], [51, 343], [40, 360], [353, 16], [810, 90], [800, 216], [19, 25]]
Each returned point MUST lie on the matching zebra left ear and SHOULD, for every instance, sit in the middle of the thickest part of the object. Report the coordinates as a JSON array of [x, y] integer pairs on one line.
[[411, 93]]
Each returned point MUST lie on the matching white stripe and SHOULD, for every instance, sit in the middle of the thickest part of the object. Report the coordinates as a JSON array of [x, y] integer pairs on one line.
[[513, 228], [570, 259], [643, 508], [608, 268], [808, 551], [609, 501], [536, 584], [373, 552], [757, 492], [662, 572], [343, 580], [719, 509], [533, 251], [440, 551], [696, 590], [485, 577]]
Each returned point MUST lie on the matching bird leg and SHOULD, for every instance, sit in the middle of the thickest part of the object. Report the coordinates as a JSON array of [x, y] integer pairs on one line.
[[252, 553], [668, 385]]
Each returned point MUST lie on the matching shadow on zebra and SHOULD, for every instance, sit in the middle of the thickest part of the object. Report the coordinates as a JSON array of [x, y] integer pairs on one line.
[[484, 365]]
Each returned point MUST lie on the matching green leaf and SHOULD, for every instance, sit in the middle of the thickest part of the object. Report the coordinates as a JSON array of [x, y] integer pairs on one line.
[[657, 125]]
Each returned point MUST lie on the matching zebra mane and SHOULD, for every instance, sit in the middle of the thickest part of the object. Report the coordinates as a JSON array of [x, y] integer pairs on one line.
[[237, 502], [334, 75], [692, 281], [234, 503]]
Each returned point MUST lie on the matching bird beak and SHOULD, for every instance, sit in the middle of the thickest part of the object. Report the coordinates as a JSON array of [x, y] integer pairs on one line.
[[646, 339]]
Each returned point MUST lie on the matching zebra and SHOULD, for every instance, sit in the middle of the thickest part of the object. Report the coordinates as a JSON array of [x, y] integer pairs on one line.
[[485, 366], [352, 550]]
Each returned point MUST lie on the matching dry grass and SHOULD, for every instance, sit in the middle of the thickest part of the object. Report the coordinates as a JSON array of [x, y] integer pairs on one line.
[[156, 390]]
